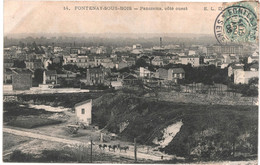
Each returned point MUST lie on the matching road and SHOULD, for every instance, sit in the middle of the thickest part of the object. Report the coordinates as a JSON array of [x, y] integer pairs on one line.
[[128, 154]]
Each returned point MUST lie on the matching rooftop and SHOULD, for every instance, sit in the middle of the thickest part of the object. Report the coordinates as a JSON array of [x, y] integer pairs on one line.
[[50, 72], [83, 102]]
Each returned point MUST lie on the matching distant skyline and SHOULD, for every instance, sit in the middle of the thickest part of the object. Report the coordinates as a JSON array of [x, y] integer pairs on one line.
[[30, 17]]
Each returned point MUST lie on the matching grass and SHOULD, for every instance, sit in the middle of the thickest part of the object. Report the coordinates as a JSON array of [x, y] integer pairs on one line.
[[13, 110], [13, 140], [75, 154], [32, 122]]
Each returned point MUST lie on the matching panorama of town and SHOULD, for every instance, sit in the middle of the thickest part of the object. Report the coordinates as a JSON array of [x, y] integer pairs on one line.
[[165, 103]]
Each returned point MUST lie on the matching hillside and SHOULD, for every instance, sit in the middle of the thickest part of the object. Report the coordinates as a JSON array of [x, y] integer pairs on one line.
[[214, 132]]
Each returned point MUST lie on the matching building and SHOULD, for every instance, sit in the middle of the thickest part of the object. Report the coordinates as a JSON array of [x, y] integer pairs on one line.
[[83, 111], [122, 64], [130, 80], [95, 76], [254, 67], [161, 74], [225, 49], [176, 74], [56, 60], [157, 61], [243, 77], [21, 79], [8, 76], [137, 46], [108, 63], [8, 63], [230, 58], [130, 61], [75, 50], [233, 67], [144, 72], [193, 60], [34, 64], [251, 59], [50, 77], [83, 62]]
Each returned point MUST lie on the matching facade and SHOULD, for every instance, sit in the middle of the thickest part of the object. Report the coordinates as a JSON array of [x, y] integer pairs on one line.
[[50, 77], [230, 58], [22, 79], [83, 111], [176, 74], [251, 59], [234, 67], [7, 76], [144, 72], [162, 74], [193, 60], [82, 62], [121, 65], [130, 80], [34, 64], [157, 61], [243, 77], [225, 49], [95, 76], [8, 63]]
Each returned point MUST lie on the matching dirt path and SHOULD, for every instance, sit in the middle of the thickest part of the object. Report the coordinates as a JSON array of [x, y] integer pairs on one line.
[[129, 153], [39, 136]]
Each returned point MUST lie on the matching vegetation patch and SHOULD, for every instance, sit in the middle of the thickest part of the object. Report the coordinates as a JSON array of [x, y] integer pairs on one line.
[[32, 122], [15, 109]]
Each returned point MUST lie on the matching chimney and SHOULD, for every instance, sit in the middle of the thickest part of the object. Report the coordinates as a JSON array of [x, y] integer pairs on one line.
[[160, 42]]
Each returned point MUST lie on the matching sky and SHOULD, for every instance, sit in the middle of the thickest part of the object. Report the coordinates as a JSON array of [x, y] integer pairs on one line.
[[24, 17]]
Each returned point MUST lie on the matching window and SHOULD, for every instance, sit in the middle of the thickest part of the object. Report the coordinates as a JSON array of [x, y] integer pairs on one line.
[[82, 111]]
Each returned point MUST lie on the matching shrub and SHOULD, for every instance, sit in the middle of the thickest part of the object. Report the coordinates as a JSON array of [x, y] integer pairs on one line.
[[19, 156]]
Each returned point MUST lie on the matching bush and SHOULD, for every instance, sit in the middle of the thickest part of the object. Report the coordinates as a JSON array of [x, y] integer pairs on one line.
[[18, 156], [57, 156]]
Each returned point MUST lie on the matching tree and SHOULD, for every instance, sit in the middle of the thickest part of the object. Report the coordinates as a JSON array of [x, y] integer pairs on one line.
[[19, 64], [38, 76], [141, 63]]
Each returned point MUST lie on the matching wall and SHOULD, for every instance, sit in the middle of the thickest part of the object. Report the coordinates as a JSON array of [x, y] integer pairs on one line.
[[84, 118], [22, 81]]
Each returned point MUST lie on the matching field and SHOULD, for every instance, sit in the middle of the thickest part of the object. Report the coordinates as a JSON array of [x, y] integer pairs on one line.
[[32, 122]]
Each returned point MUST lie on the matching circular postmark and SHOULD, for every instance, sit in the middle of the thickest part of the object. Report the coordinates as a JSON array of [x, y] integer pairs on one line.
[[236, 24]]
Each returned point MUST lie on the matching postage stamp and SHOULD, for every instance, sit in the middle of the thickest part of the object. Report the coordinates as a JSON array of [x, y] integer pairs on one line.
[[236, 24]]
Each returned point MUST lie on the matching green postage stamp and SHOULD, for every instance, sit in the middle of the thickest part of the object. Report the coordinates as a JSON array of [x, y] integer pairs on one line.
[[237, 23]]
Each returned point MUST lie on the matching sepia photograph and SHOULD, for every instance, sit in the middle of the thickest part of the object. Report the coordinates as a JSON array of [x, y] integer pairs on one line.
[[126, 82]]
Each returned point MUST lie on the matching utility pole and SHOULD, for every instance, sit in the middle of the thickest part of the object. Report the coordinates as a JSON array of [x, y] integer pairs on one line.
[[91, 151], [135, 150]]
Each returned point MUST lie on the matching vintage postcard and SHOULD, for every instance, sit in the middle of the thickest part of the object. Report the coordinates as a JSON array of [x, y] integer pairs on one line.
[[130, 82]]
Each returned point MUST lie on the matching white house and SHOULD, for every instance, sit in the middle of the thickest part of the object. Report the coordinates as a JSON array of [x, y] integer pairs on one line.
[[83, 112], [144, 72], [193, 60]]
